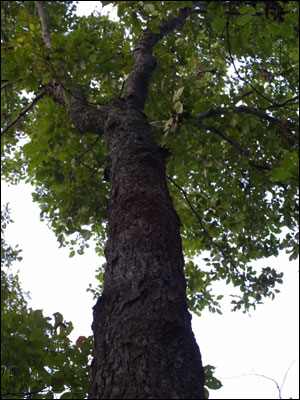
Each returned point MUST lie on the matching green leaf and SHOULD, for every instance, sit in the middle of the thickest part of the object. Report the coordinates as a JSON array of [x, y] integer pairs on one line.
[[213, 383], [218, 25], [279, 174], [72, 254], [246, 9], [244, 19], [58, 319]]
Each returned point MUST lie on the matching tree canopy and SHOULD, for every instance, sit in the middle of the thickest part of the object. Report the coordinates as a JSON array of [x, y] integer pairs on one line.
[[223, 100], [222, 103]]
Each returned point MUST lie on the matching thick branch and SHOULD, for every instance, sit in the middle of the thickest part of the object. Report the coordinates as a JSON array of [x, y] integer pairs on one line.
[[145, 63], [84, 117]]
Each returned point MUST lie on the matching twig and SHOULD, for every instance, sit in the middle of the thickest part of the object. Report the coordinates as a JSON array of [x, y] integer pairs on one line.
[[279, 388], [89, 148], [287, 371]]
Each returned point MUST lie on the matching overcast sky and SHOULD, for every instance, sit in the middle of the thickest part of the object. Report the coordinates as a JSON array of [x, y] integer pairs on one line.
[[238, 345]]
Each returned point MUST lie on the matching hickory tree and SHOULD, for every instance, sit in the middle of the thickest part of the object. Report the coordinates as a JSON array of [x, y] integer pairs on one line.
[[170, 132]]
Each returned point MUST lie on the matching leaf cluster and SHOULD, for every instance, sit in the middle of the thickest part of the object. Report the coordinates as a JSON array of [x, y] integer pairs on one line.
[[38, 360]]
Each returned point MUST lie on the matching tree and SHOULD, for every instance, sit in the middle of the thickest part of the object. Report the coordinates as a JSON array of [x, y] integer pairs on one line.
[[120, 109]]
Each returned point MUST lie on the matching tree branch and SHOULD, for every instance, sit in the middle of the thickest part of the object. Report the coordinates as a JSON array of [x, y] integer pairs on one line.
[[84, 117], [229, 140], [242, 109], [5, 85], [259, 114], [240, 149], [144, 62], [44, 23], [23, 112]]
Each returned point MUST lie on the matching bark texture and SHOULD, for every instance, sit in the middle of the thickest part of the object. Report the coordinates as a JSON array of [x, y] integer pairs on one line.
[[144, 345]]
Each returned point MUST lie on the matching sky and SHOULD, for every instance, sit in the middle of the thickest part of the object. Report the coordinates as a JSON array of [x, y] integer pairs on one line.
[[248, 351]]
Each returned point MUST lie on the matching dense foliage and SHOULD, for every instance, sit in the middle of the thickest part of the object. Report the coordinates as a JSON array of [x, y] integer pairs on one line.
[[37, 357], [223, 100]]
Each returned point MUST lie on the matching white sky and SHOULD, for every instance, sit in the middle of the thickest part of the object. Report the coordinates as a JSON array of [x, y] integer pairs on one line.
[[238, 345]]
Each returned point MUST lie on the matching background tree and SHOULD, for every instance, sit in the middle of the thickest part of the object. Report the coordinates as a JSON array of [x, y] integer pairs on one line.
[[231, 141], [37, 357]]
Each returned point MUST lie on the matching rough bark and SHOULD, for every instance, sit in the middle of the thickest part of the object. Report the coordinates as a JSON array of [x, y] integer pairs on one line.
[[144, 345]]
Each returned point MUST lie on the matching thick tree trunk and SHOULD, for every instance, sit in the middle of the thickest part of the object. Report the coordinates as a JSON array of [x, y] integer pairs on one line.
[[144, 345]]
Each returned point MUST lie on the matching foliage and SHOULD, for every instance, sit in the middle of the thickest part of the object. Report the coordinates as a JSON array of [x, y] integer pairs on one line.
[[37, 357], [233, 137], [210, 381]]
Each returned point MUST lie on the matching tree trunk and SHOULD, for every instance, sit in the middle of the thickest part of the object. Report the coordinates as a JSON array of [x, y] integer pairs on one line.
[[144, 345]]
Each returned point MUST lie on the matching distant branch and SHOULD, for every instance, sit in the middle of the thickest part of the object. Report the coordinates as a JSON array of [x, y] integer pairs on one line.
[[5, 85], [23, 112], [262, 115]]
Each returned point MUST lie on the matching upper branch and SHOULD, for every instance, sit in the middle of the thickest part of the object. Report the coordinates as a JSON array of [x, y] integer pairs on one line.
[[44, 23], [84, 117], [144, 62]]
